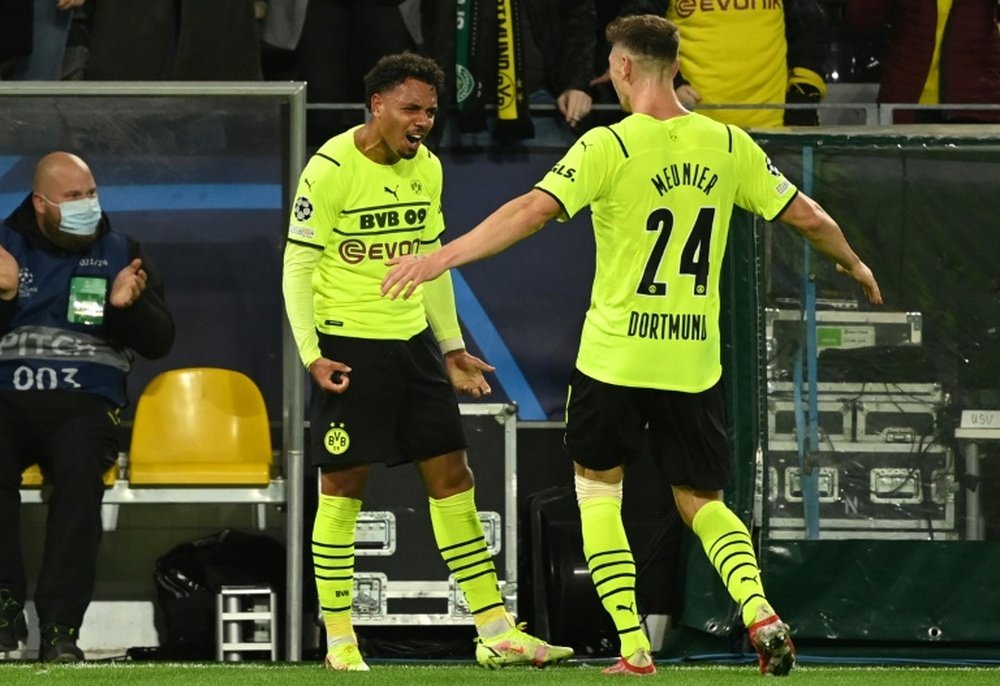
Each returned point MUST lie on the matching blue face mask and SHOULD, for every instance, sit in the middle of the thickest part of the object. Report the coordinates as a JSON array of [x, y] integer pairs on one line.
[[79, 217]]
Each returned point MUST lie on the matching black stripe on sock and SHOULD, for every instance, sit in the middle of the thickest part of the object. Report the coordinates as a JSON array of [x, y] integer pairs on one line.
[[334, 557], [608, 552], [711, 548], [744, 553], [456, 570], [477, 551], [345, 608], [484, 608], [613, 577], [719, 551], [491, 570], [744, 564], [459, 545], [617, 590], [612, 564], [333, 545]]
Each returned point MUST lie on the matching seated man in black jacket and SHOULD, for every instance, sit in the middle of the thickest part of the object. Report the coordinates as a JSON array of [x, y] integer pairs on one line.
[[76, 299]]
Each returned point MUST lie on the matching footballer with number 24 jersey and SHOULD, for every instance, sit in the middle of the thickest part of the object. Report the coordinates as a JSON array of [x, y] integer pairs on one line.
[[662, 193]]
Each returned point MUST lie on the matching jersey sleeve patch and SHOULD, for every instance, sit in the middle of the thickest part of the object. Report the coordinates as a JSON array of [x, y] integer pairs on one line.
[[302, 210]]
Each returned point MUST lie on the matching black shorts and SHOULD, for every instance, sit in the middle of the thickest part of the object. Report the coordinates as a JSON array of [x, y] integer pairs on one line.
[[687, 431], [399, 406]]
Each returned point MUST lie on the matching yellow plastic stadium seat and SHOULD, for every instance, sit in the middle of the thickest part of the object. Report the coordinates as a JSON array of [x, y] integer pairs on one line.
[[32, 476], [200, 426]]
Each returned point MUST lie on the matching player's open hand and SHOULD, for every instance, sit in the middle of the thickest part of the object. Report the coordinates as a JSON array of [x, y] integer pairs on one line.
[[864, 276], [330, 375], [128, 285], [466, 373], [408, 272], [10, 275]]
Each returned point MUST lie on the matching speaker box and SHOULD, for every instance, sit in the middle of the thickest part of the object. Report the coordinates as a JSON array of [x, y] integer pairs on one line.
[[566, 607]]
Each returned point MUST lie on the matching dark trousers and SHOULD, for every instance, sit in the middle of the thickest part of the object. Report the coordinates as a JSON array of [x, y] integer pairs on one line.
[[180, 40], [73, 438]]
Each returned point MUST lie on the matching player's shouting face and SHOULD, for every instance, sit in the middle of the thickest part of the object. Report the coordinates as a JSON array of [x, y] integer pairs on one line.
[[404, 115]]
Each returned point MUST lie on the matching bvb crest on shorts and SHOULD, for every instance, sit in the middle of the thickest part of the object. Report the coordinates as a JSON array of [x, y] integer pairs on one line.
[[337, 440]]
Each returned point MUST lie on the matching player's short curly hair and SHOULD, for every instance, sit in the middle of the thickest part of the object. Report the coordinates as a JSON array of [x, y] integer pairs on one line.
[[647, 35], [392, 70]]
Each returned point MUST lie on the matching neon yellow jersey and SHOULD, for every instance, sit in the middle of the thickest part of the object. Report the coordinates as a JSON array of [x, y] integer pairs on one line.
[[661, 195], [735, 52], [361, 213]]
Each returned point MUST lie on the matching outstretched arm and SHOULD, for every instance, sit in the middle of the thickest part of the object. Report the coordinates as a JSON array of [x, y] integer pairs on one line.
[[512, 222], [811, 221]]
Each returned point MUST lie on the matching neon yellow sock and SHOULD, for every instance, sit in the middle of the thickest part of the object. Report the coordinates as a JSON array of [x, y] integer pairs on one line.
[[333, 562], [462, 544], [730, 550], [612, 568]]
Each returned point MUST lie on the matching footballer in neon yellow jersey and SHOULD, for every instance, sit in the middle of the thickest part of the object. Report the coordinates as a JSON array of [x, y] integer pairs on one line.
[[385, 372], [662, 193], [661, 185], [360, 213]]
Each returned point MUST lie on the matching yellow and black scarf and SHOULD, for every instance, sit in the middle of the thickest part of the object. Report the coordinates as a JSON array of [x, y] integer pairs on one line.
[[488, 49]]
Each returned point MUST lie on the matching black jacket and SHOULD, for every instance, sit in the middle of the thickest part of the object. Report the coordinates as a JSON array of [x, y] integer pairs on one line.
[[566, 34], [146, 327]]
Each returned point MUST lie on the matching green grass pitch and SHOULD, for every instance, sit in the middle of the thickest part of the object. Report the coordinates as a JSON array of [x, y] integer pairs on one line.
[[579, 674]]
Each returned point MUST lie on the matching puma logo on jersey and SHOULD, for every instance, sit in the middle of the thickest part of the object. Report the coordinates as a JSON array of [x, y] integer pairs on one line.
[[308, 183], [626, 608], [391, 191]]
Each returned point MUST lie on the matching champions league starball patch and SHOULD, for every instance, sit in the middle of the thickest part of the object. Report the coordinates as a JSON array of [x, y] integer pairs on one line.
[[303, 209]]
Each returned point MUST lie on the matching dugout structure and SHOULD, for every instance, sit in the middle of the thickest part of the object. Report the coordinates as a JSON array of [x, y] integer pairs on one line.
[[202, 174]]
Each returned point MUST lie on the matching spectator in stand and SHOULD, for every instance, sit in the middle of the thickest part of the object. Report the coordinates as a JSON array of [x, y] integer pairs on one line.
[[764, 53], [939, 52], [183, 40], [15, 35], [552, 43], [333, 42], [37, 39], [559, 49]]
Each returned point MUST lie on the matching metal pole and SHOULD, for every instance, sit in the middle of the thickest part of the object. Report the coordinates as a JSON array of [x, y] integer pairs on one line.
[[973, 532], [292, 415]]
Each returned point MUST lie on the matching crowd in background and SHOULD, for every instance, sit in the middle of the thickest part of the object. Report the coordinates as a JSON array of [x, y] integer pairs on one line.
[[740, 52]]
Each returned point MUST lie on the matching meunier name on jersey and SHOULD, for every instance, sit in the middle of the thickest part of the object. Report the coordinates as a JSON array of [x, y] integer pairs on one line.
[[685, 174]]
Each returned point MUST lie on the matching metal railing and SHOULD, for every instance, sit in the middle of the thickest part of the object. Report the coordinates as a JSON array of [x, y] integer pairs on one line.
[[864, 113]]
